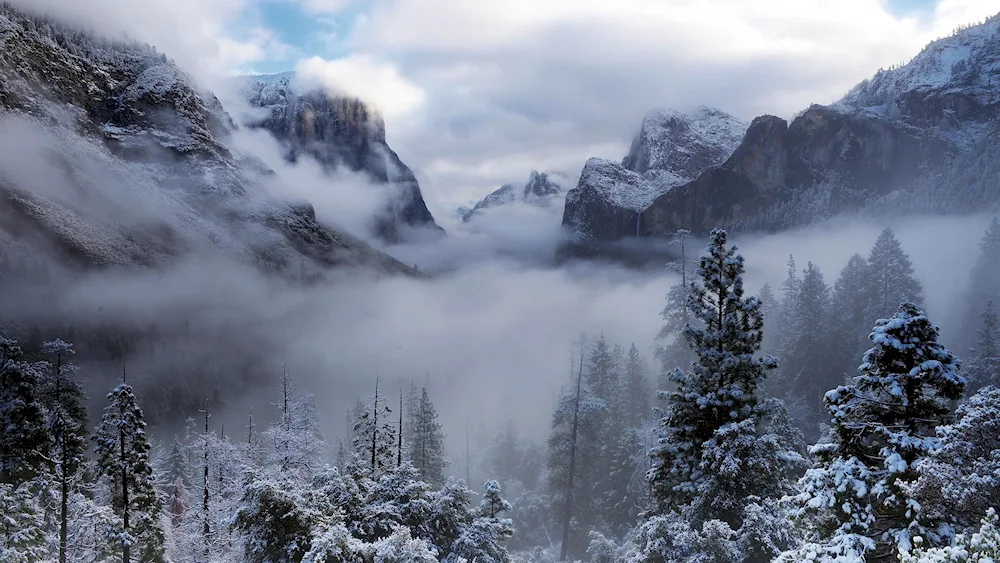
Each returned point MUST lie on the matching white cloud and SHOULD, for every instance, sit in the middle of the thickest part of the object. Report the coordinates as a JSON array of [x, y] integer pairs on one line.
[[376, 81], [552, 79]]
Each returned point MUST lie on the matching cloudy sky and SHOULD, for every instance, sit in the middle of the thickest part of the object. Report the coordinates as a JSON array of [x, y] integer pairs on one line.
[[479, 92]]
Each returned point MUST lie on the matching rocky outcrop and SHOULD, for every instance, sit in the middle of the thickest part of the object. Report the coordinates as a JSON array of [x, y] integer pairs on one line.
[[669, 150], [853, 158], [121, 161], [340, 133], [914, 129], [542, 188]]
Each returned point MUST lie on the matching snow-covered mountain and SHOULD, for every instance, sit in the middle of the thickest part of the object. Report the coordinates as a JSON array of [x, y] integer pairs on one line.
[[918, 138], [670, 149], [339, 132], [115, 158], [541, 189]]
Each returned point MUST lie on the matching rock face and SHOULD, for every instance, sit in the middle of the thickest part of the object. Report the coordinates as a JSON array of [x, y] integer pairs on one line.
[[669, 150], [121, 161], [340, 132], [913, 139], [542, 188]]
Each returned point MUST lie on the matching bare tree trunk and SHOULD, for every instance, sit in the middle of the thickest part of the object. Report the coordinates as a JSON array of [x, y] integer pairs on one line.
[[375, 426], [399, 447]]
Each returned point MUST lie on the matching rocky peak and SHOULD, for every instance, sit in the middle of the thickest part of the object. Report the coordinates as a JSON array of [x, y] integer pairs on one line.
[[540, 186], [540, 189], [340, 132], [671, 149], [678, 146]]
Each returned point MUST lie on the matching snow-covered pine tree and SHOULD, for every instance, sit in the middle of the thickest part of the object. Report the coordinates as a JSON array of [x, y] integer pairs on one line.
[[636, 409], [856, 501], [890, 277], [24, 442], [427, 448], [122, 450], [984, 369], [672, 351], [960, 481], [805, 372], [375, 436], [849, 322], [176, 466], [484, 540], [66, 423], [717, 447], [294, 443], [22, 526]]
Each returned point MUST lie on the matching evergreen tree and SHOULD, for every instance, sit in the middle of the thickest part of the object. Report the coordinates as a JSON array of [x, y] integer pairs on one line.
[[484, 540], [856, 500], [66, 423], [984, 282], [601, 374], [375, 436], [673, 352], [504, 457], [573, 462], [985, 367], [769, 310], [427, 449], [890, 278], [717, 447], [123, 457], [806, 368], [850, 325], [25, 444], [784, 330], [635, 404], [22, 526], [960, 482]]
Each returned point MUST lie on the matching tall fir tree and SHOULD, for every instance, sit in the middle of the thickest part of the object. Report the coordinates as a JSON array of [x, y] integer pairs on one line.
[[66, 423], [427, 448], [984, 369], [717, 447], [770, 310], [672, 352], [784, 331], [25, 445], [890, 278], [849, 320], [122, 450], [856, 501], [636, 409], [805, 371]]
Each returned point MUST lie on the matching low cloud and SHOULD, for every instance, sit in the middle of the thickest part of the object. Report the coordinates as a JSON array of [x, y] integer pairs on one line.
[[377, 82]]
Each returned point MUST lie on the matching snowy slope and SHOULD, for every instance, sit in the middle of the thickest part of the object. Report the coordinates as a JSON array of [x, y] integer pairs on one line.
[[968, 62], [120, 160]]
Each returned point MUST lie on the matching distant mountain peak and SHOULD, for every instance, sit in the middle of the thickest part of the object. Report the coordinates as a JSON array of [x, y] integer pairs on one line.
[[541, 189]]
